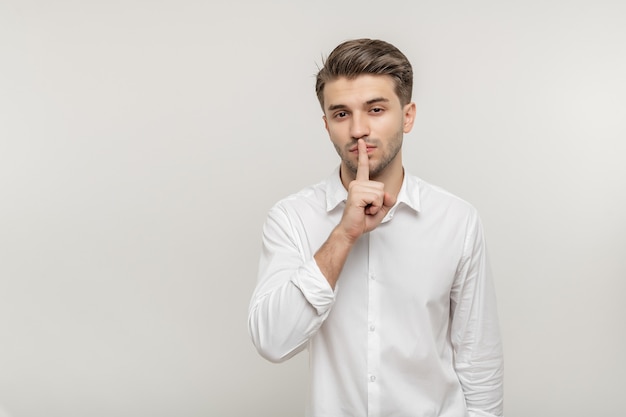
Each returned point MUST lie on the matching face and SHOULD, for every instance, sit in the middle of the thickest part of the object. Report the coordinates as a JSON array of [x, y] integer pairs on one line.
[[367, 107]]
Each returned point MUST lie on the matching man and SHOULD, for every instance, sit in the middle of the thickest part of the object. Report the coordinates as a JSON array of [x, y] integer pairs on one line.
[[383, 277]]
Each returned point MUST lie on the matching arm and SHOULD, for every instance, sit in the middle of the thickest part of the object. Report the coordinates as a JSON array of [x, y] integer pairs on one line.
[[292, 298], [475, 330], [294, 294]]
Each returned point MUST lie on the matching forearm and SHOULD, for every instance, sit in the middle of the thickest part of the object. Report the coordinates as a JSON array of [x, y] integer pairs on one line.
[[479, 360], [482, 384], [332, 255]]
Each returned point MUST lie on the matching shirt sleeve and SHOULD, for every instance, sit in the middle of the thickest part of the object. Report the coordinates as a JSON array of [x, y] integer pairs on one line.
[[475, 330], [292, 297]]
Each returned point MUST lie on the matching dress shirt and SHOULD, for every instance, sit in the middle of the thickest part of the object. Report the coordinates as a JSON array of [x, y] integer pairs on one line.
[[411, 328]]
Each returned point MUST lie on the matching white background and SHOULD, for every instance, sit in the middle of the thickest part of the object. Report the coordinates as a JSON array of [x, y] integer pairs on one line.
[[142, 143]]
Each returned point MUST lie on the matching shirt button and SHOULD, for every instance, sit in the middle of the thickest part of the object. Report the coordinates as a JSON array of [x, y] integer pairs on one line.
[[372, 328], [372, 276], [372, 378]]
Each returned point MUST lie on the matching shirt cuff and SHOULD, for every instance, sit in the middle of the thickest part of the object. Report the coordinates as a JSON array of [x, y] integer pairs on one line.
[[479, 413]]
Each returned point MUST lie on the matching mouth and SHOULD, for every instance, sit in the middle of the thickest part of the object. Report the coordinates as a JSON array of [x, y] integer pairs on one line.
[[355, 149]]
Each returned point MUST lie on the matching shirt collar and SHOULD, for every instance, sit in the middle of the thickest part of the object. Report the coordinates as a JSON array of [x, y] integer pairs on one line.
[[409, 194], [335, 191]]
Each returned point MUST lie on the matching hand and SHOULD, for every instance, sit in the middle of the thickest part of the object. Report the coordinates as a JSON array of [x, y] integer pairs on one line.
[[367, 203]]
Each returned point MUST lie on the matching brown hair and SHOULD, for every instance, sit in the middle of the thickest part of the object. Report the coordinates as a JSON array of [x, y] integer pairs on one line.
[[367, 56]]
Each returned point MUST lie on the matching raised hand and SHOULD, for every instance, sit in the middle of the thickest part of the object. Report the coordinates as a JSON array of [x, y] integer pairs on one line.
[[367, 202], [366, 206]]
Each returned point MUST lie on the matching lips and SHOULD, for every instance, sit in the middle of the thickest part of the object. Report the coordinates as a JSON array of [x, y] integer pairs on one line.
[[355, 149]]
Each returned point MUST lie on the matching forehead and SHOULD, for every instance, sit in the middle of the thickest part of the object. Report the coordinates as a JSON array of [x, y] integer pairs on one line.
[[359, 90]]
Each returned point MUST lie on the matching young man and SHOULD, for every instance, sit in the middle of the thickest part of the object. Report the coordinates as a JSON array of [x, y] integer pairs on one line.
[[383, 277]]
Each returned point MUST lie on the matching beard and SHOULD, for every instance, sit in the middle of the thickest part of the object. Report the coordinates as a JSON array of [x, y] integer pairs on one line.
[[389, 153]]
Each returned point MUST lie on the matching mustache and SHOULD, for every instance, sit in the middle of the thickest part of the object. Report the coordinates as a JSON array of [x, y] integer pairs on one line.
[[368, 142]]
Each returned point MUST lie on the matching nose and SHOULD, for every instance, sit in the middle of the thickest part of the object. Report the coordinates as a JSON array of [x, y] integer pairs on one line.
[[359, 126]]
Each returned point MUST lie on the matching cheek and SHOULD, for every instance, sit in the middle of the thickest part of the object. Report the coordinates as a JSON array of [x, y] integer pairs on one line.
[[391, 129], [335, 132], [332, 135], [381, 125]]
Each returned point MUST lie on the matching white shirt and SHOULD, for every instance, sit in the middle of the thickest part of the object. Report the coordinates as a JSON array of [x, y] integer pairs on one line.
[[411, 328]]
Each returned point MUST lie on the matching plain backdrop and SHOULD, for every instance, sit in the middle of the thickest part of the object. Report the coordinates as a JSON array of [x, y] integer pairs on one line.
[[142, 143]]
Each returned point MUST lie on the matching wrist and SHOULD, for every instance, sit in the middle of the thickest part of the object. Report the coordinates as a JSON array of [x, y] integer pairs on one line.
[[343, 237]]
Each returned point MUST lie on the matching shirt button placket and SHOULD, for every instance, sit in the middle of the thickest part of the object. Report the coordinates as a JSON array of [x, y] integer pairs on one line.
[[373, 341]]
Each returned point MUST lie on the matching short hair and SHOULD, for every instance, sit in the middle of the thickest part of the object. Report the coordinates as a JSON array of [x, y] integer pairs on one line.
[[367, 56]]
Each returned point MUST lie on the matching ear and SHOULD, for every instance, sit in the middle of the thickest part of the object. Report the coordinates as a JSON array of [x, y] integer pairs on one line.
[[325, 123], [409, 117]]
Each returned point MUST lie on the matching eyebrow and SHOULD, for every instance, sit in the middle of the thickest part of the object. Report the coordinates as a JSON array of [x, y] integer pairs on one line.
[[368, 102]]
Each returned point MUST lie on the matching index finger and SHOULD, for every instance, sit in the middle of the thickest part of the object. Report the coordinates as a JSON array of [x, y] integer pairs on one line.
[[363, 166]]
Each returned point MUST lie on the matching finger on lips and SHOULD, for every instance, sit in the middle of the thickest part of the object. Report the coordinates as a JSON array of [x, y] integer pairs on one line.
[[363, 166]]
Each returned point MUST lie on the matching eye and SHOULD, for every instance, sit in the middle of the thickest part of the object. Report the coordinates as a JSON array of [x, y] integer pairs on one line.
[[341, 115], [377, 110]]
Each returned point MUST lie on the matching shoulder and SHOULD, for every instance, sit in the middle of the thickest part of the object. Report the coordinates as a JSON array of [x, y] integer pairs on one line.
[[297, 214], [309, 198]]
